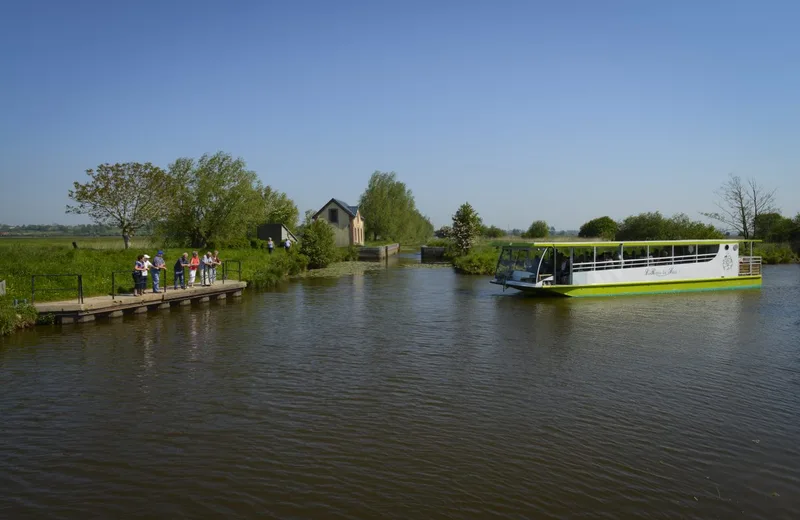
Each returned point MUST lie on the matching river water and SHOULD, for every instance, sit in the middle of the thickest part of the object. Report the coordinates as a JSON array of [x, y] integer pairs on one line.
[[411, 393]]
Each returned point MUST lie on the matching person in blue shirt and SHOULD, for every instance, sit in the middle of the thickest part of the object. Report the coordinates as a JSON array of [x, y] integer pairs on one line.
[[180, 265], [158, 266]]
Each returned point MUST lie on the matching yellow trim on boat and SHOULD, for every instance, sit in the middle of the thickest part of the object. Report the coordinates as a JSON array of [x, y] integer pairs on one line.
[[649, 287], [632, 243]]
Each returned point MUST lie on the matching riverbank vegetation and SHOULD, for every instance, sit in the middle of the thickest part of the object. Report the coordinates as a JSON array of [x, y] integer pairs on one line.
[[746, 207], [15, 317]]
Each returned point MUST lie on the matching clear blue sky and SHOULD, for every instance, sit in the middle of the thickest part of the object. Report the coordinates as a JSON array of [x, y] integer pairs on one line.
[[561, 111]]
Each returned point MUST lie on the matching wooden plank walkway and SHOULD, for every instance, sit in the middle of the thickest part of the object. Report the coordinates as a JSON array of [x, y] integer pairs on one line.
[[73, 311]]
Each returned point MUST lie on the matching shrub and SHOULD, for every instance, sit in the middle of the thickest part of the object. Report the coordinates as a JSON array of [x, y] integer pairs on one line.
[[653, 226], [478, 261], [493, 232], [347, 254], [13, 318], [775, 253], [601, 227], [319, 244]]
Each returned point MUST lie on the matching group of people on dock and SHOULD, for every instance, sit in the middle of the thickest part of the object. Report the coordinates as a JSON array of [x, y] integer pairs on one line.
[[144, 269]]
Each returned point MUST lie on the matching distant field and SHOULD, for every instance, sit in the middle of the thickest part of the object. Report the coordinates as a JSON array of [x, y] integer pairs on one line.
[[83, 242]]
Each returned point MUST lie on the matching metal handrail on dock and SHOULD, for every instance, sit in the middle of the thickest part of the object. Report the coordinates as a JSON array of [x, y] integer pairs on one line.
[[226, 269], [78, 289]]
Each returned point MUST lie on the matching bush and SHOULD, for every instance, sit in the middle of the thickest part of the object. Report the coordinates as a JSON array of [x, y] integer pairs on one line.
[[493, 232], [13, 318], [347, 254], [478, 261], [775, 253], [319, 244], [601, 227], [276, 268], [653, 226]]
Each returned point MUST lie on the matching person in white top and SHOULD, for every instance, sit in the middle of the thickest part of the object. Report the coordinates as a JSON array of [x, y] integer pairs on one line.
[[147, 267]]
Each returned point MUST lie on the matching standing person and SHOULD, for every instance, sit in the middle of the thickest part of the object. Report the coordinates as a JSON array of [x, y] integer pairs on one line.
[[193, 264], [205, 269], [215, 262], [180, 265], [138, 265], [158, 266], [287, 245], [270, 245], [145, 271]]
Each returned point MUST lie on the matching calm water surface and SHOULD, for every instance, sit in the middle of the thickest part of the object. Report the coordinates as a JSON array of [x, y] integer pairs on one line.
[[411, 393]]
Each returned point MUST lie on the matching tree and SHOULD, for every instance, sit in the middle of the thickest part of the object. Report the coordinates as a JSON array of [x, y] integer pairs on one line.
[[213, 201], [492, 232], [128, 196], [653, 226], [741, 203], [318, 243], [773, 227], [537, 229], [466, 228], [390, 212], [601, 227], [279, 208]]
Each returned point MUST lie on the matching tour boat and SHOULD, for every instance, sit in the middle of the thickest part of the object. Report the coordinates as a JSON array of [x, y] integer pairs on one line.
[[622, 268]]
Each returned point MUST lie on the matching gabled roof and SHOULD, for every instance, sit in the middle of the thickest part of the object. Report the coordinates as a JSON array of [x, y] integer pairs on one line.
[[350, 210]]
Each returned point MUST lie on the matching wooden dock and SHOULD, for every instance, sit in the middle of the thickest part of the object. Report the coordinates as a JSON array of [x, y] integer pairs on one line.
[[107, 307]]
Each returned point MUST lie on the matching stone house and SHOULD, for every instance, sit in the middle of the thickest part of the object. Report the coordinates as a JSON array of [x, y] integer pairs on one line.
[[346, 221]]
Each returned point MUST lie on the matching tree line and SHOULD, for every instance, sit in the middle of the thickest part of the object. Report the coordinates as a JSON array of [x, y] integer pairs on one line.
[[216, 201]]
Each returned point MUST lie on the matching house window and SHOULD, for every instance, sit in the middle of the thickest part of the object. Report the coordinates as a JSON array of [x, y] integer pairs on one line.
[[333, 216]]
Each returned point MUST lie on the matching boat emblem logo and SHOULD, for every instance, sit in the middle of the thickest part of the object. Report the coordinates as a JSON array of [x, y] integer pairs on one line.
[[727, 263]]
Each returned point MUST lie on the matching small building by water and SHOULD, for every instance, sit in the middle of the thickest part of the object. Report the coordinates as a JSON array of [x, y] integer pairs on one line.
[[277, 232], [346, 220]]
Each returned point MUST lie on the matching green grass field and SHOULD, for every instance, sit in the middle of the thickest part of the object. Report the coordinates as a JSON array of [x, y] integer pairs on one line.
[[96, 258]]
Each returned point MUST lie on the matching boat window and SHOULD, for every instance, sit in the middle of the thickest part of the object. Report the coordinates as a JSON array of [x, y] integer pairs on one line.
[[712, 249]]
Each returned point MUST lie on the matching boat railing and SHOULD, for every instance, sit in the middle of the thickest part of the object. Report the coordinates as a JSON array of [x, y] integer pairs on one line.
[[750, 266], [629, 263]]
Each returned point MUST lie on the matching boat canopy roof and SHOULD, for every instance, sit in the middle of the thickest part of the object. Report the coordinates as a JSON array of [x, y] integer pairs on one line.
[[631, 243]]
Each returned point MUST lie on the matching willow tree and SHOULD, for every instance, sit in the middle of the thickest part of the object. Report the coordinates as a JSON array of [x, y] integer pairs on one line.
[[279, 208], [216, 199], [390, 212], [128, 196]]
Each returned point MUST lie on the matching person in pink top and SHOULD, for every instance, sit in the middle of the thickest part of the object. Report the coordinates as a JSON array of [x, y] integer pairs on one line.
[[193, 264]]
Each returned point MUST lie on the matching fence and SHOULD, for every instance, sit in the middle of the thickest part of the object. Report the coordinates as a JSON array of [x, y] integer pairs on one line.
[[227, 269], [78, 289]]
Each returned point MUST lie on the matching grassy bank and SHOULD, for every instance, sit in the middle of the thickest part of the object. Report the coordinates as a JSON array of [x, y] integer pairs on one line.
[[13, 318], [96, 258]]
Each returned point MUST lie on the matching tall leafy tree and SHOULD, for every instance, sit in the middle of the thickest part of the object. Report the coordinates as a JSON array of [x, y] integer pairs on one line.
[[128, 196], [279, 208], [216, 200], [390, 212], [466, 228]]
